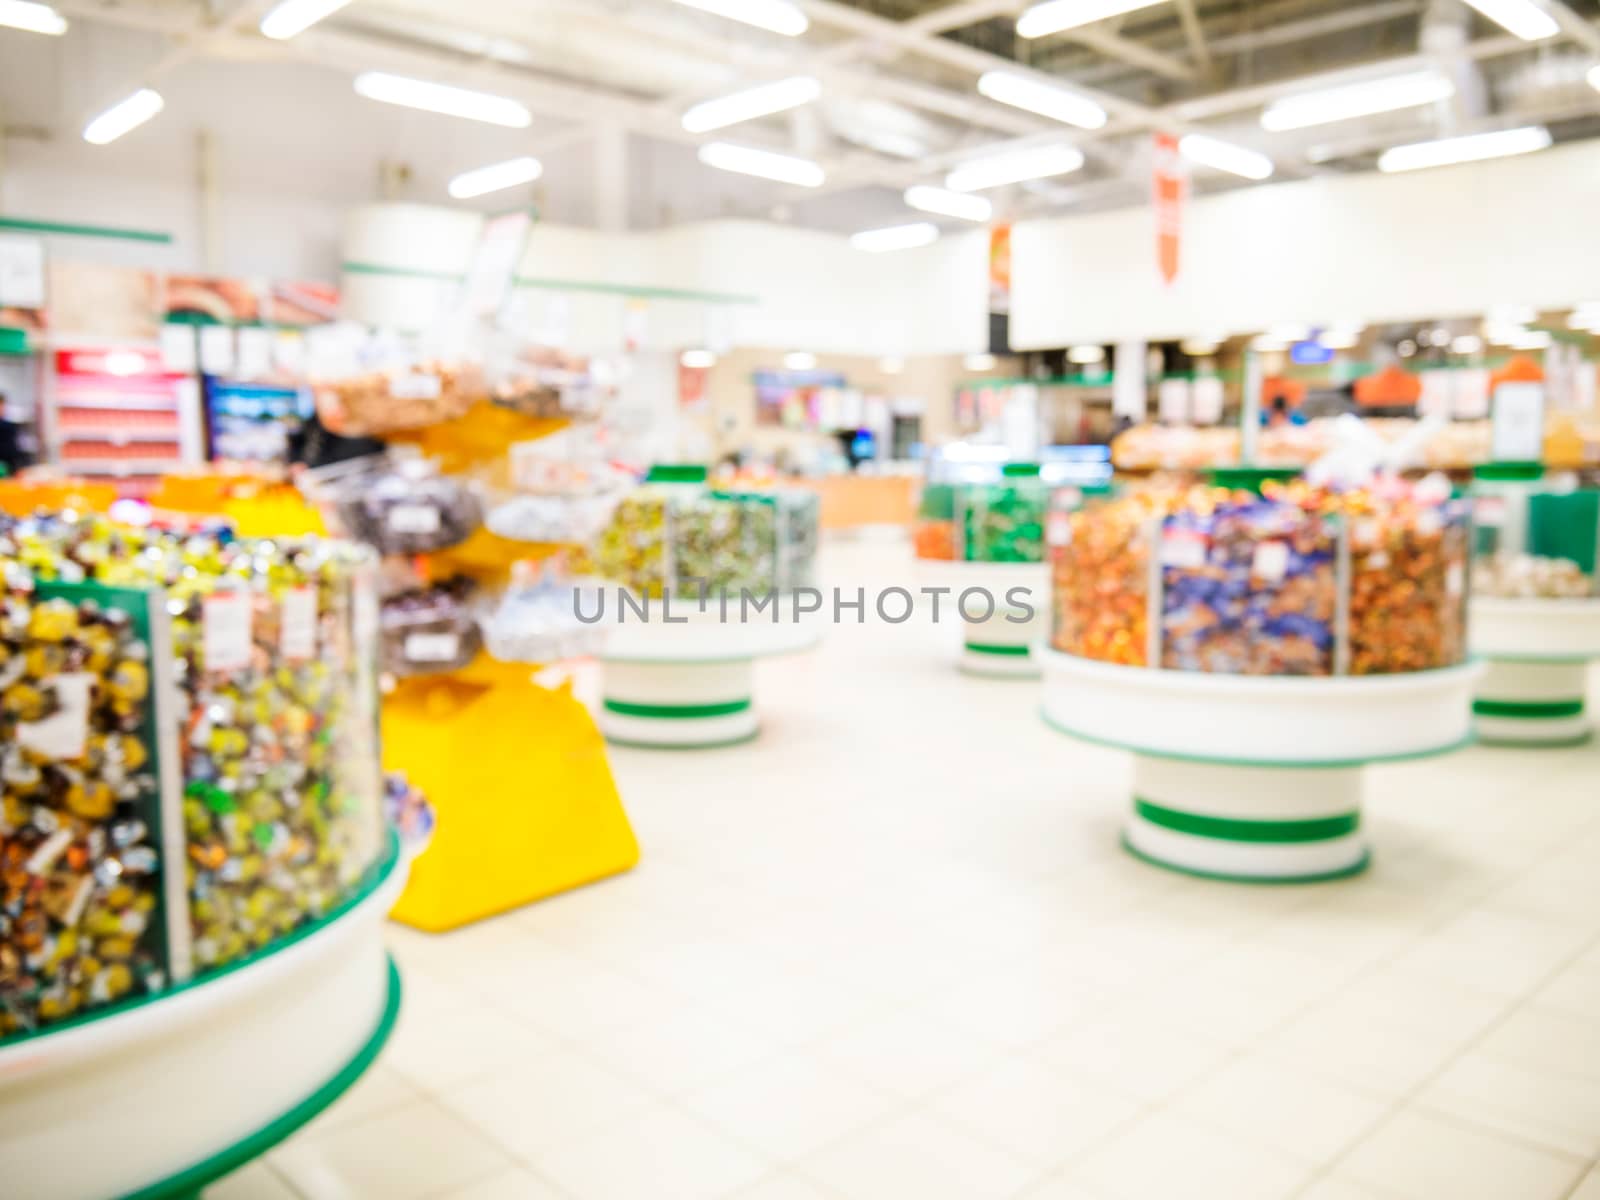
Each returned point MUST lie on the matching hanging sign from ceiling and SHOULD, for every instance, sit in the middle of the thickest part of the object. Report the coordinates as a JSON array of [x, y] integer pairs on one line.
[[1170, 187]]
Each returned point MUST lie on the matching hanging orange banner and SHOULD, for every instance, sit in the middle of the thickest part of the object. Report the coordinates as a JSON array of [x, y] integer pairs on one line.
[[1000, 268], [1170, 190]]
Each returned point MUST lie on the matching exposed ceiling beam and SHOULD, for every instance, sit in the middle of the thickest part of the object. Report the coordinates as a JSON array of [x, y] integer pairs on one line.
[[1575, 26], [1196, 36]]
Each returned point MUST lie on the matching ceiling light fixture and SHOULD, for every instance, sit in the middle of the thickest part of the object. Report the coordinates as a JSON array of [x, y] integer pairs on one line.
[[1533, 339], [1388, 94], [764, 164], [1594, 77], [1058, 104], [1016, 166], [960, 205], [751, 103], [1085, 355], [1225, 156], [442, 98], [1198, 347], [123, 116], [800, 360], [979, 362], [296, 16], [32, 18], [1521, 17], [1339, 339], [495, 178], [775, 16], [1467, 343], [1041, 20], [1472, 147], [699, 360], [896, 237]]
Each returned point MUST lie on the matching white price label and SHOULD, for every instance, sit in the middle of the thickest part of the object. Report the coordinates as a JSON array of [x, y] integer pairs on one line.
[[226, 621], [413, 518], [1183, 548], [297, 635], [1058, 529], [1454, 579], [415, 386], [64, 734], [432, 647], [1271, 561]]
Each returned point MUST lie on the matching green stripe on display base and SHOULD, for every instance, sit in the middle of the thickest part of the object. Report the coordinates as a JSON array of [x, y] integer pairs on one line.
[[1528, 710], [1008, 651], [188, 1184], [1355, 868], [18, 225], [1233, 829], [635, 744], [363, 268], [639, 291], [677, 712]]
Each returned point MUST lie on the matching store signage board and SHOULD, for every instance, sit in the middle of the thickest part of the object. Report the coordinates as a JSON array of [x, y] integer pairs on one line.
[[21, 272], [1169, 186], [1517, 423], [1310, 354], [494, 263]]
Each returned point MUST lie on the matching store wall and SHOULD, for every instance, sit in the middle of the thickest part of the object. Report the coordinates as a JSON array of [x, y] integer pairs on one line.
[[1449, 242]]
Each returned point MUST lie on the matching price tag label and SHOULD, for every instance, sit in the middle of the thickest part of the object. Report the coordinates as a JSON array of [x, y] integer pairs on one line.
[[226, 634], [415, 386], [1183, 548], [297, 636], [1271, 561], [64, 734], [413, 518], [1454, 579], [432, 647], [1058, 529]]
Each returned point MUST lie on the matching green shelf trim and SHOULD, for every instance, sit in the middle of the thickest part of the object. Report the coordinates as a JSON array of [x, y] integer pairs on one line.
[[678, 712], [1005, 651], [61, 229], [374, 879], [1505, 743], [1509, 472], [677, 473], [1233, 829], [189, 1183], [1528, 710], [634, 744], [1020, 470], [1355, 868], [639, 291], [12, 340], [378, 269]]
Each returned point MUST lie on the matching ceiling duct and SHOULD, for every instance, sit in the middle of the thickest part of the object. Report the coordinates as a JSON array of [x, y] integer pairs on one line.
[[1446, 33]]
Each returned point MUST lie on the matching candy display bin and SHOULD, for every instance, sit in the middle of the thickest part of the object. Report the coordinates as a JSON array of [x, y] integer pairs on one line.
[[702, 583], [1261, 651], [1535, 605], [196, 866]]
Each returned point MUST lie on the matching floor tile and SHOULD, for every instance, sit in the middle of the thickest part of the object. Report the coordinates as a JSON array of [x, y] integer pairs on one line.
[[659, 1154], [433, 1049], [1137, 1058], [1589, 1189], [410, 1153], [514, 1183], [783, 1187], [258, 1181], [1282, 1108], [380, 1090], [1560, 1112], [1547, 1040], [1495, 951], [682, 1049], [1421, 1157], [1165, 1156], [789, 1106], [916, 1156], [907, 1053], [1035, 1111]]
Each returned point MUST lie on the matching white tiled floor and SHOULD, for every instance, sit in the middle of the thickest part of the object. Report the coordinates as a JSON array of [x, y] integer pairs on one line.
[[891, 951]]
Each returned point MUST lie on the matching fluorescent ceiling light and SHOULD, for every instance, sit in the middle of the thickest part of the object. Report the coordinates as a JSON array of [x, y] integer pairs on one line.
[[776, 16], [746, 160], [1594, 77], [495, 178], [1084, 355], [123, 116], [1502, 334], [1339, 339], [1225, 156], [1406, 348], [1533, 339], [753, 102], [1269, 343], [1198, 347], [699, 359], [1511, 314], [442, 98], [1473, 147], [891, 366], [1387, 94], [1288, 331], [1467, 343], [949, 204], [297, 16], [1014, 167], [1056, 103], [1053, 16], [979, 362], [1521, 17], [33, 18], [896, 237], [800, 360]]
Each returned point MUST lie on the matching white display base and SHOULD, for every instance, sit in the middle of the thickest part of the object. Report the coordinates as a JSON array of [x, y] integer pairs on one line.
[[1539, 651], [150, 1097], [1523, 703], [992, 645], [691, 685], [1255, 779]]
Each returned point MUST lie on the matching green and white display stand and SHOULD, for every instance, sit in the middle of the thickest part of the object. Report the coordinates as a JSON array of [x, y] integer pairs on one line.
[[1538, 653], [160, 1097], [691, 686], [999, 641], [1255, 779]]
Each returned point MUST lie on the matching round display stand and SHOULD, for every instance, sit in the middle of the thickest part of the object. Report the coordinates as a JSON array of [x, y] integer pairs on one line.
[[160, 1097], [1249, 778], [1538, 652], [691, 686], [1000, 642]]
